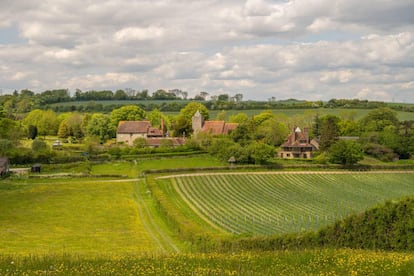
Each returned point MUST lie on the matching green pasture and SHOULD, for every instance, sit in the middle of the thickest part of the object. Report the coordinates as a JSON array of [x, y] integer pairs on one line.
[[73, 216], [265, 204]]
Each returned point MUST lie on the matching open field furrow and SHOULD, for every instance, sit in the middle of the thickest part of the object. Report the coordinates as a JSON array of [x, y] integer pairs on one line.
[[272, 203]]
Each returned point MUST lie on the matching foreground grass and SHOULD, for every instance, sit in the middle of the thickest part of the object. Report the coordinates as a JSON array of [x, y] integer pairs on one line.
[[307, 262], [71, 216]]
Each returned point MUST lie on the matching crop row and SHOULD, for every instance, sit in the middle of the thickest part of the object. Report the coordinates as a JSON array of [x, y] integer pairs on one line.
[[263, 204]]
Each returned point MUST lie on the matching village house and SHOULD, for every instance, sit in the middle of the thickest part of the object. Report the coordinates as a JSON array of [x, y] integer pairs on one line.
[[212, 127], [4, 165], [129, 131], [298, 145]]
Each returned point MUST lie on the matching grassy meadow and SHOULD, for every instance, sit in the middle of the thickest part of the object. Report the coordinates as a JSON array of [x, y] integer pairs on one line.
[[118, 222], [76, 216]]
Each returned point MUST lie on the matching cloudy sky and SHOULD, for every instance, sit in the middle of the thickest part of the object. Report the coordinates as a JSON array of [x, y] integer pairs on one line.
[[304, 49]]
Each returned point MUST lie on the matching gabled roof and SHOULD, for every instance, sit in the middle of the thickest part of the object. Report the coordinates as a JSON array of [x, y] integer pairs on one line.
[[154, 132], [131, 127], [218, 127]]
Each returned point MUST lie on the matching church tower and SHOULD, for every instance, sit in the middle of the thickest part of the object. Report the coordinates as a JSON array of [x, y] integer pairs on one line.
[[197, 122]]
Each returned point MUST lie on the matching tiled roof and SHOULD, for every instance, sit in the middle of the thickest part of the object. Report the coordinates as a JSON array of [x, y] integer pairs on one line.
[[154, 132], [133, 127], [218, 127], [3, 161]]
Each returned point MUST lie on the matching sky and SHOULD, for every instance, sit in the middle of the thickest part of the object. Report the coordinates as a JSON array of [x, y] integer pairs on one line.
[[302, 49]]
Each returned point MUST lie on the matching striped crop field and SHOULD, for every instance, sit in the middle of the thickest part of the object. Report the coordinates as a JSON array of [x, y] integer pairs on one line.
[[266, 203]]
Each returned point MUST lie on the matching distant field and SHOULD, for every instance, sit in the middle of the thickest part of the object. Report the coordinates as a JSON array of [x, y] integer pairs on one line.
[[76, 216], [263, 204]]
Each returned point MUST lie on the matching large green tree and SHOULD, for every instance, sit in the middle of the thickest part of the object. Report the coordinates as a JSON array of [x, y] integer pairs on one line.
[[329, 131], [46, 121], [345, 152], [99, 125], [378, 119], [126, 113]]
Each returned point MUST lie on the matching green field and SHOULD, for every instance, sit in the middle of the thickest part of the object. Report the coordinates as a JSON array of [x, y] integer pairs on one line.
[[76, 216], [91, 226], [263, 204]]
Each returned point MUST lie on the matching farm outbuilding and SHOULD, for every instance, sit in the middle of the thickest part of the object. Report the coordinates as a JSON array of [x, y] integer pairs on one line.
[[36, 168]]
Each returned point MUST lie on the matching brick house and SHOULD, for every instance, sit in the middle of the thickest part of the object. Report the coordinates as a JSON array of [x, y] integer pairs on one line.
[[298, 145]]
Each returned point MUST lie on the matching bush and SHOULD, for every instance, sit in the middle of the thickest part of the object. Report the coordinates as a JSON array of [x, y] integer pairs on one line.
[[379, 151]]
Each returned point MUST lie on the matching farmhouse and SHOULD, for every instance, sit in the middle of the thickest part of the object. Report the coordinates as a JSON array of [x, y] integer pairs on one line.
[[212, 127], [4, 165], [298, 145], [129, 131]]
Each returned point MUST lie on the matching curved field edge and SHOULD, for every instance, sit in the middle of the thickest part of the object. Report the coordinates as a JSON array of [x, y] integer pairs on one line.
[[305, 262], [220, 242]]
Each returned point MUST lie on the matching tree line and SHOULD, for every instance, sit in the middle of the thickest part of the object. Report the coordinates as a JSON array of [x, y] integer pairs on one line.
[[343, 140], [61, 100]]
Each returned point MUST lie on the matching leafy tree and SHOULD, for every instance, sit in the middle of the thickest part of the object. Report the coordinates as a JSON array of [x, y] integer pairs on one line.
[[239, 118], [273, 132], [99, 125], [378, 119], [156, 117], [244, 133], [11, 130], [63, 131], [6, 146], [32, 132], [120, 95], [46, 121], [345, 152], [329, 131], [126, 113], [238, 97], [223, 97], [349, 128], [260, 153]]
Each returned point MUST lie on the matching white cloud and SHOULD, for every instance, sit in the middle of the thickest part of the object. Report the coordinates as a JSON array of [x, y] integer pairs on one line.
[[138, 34], [261, 48]]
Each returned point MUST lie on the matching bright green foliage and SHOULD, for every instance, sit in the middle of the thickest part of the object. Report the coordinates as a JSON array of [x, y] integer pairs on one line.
[[140, 143], [10, 129], [46, 121], [239, 118], [378, 119], [263, 204], [157, 118], [126, 113], [100, 125], [329, 131], [389, 227], [345, 152]]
